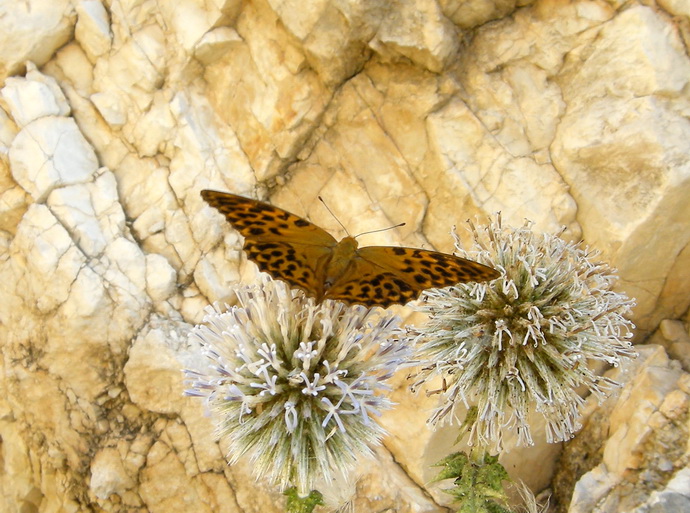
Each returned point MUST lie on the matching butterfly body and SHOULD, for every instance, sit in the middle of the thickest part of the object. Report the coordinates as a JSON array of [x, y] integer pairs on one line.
[[344, 252], [307, 257]]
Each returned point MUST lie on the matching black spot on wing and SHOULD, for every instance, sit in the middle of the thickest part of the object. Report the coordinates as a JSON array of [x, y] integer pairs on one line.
[[246, 215], [382, 289], [283, 263], [445, 270], [427, 269], [401, 274]]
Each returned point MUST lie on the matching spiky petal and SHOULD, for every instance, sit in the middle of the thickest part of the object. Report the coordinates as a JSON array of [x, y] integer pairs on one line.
[[524, 340], [294, 384]]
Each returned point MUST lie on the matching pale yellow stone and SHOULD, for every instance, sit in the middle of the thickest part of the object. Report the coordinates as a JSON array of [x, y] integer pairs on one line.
[[270, 106], [51, 151], [566, 113], [153, 374], [676, 7], [334, 36], [165, 484], [628, 152], [93, 28], [675, 405], [419, 31], [215, 44], [674, 331], [33, 97], [33, 31], [108, 475], [471, 14]]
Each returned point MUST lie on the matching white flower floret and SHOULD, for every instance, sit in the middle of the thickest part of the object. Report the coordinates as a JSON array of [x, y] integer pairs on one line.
[[523, 341], [293, 384]]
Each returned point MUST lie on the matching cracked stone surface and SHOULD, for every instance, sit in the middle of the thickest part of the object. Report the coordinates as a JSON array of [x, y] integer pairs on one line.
[[113, 115]]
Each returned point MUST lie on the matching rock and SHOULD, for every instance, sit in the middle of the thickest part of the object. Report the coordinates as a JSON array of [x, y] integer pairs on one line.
[[152, 373], [51, 152], [215, 44], [641, 440], [33, 31], [673, 336], [420, 32], [161, 278], [93, 28], [34, 96], [467, 15], [645, 170], [114, 115], [108, 475], [674, 331]]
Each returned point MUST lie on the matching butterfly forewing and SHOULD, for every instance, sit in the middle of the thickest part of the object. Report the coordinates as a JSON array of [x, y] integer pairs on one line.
[[282, 244], [262, 221]]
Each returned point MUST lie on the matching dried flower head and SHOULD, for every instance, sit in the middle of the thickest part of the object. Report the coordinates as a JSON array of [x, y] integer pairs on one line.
[[295, 384], [524, 339]]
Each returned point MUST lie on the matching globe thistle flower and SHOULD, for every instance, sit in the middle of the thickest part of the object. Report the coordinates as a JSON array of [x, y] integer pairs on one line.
[[295, 384], [523, 340]]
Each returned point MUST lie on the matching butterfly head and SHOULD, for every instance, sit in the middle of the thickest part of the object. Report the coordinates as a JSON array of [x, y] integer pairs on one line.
[[348, 244]]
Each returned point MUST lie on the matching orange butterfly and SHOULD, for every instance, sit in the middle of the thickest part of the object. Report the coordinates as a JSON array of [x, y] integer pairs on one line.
[[294, 250]]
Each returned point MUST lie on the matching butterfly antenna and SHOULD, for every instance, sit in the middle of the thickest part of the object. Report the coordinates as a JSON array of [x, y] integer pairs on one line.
[[334, 216], [380, 230]]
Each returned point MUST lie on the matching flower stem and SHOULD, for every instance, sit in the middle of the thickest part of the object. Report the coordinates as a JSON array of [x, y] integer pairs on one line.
[[297, 504]]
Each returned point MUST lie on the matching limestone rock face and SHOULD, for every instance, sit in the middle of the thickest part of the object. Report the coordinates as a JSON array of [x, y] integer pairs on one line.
[[636, 440], [114, 115]]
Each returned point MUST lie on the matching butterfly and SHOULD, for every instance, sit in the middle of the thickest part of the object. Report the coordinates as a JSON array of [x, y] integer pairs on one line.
[[307, 257]]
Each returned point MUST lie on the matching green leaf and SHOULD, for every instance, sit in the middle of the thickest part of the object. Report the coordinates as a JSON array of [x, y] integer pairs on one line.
[[478, 485], [466, 426], [453, 466]]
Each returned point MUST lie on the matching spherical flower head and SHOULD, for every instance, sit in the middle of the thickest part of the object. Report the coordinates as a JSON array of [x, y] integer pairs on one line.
[[525, 339], [295, 384]]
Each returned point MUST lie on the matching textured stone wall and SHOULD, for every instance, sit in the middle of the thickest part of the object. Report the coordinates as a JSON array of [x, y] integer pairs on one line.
[[114, 114]]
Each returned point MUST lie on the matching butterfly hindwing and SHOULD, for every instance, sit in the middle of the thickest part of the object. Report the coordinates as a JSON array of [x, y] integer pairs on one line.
[[297, 264], [427, 269], [370, 286], [384, 275]]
